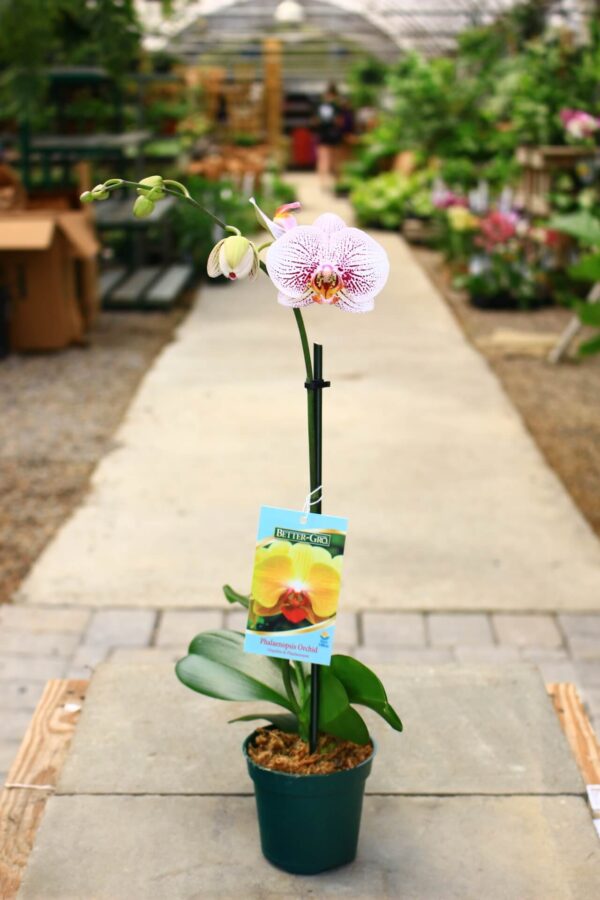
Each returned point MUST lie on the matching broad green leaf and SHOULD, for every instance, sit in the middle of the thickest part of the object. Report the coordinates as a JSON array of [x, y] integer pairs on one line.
[[227, 647], [589, 314], [364, 687], [349, 726], [587, 269], [218, 667], [217, 680], [333, 701], [333, 697], [581, 225], [283, 721], [233, 597], [589, 348]]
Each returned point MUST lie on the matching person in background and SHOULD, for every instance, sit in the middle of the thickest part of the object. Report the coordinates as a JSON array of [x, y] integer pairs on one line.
[[329, 126]]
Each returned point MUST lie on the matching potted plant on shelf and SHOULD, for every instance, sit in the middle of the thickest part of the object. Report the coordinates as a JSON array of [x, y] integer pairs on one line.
[[310, 763]]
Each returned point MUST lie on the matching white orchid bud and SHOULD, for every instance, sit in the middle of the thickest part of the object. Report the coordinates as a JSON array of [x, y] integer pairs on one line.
[[234, 257]]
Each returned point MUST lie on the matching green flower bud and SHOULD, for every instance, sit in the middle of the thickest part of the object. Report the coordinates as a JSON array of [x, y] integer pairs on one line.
[[143, 207], [153, 187], [99, 192], [87, 197]]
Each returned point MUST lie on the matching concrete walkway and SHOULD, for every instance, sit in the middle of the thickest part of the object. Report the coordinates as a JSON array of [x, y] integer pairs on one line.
[[451, 505], [463, 548]]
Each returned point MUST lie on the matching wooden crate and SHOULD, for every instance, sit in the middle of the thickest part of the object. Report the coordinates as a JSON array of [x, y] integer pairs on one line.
[[538, 167]]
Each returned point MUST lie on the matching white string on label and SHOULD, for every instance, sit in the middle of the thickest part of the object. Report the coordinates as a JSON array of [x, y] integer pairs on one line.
[[312, 498]]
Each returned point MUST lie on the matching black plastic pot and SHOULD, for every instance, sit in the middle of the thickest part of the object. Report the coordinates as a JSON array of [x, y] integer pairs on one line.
[[308, 823]]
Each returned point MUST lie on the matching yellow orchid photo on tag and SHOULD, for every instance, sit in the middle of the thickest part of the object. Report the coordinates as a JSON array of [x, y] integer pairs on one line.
[[296, 585]]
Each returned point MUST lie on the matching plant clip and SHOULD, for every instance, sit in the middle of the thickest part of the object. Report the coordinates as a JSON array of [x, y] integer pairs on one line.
[[316, 384]]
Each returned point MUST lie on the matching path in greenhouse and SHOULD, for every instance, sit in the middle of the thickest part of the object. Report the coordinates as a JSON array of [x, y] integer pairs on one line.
[[451, 505]]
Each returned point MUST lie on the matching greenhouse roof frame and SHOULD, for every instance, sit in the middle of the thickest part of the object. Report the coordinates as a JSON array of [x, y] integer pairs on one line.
[[381, 27]]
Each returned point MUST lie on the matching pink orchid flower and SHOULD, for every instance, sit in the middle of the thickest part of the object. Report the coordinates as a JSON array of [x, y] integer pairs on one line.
[[328, 263], [578, 123]]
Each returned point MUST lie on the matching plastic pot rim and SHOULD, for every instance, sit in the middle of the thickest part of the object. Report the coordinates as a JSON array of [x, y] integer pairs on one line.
[[306, 779]]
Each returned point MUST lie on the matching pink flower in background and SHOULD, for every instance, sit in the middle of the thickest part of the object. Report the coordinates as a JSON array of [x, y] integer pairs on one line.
[[328, 263], [497, 228], [446, 199], [579, 124]]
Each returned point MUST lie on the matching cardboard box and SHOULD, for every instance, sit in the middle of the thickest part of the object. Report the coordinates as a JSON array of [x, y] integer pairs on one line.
[[51, 303]]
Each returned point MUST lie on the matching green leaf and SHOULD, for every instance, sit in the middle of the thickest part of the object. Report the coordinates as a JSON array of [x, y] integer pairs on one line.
[[589, 348], [336, 716], [283, 721], [587, 269], [364, 687], [581, 225], [233, 597], [218, 667], [589, 314], [333, 697], [349, 726]]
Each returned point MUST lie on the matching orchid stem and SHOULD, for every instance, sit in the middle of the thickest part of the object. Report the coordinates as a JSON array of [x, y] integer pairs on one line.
[[314, 457], [310, 398], [179, 194]]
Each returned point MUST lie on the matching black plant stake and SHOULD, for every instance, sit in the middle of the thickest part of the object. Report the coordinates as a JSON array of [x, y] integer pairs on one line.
[[315, 388]]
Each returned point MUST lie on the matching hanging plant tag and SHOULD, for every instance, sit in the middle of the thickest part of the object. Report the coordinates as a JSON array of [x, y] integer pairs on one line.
[[295, 585]]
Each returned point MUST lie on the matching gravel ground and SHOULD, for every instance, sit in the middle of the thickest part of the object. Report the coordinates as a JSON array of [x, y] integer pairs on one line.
[[559, 404], [58, 413]]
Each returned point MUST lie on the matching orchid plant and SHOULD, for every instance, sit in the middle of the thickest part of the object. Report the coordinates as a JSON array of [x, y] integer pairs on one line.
[[330, 264]]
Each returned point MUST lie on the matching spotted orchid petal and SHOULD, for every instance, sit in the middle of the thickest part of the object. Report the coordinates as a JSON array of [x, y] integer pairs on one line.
[[296, 302], [363, 265], [282, 221], [329, 222], [292, 259], [328, 263]]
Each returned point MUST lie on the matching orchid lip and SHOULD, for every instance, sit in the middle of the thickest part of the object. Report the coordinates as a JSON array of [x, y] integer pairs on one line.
[[326, 284]]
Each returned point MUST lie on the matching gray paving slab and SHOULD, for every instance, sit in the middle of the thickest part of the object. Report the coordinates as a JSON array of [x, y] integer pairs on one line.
[[420, 656], [120, 627], [35, 668], [526, 630], [8, 751], [35, 619], [177, 627], [450, 629], [451, 848], [20, 694], [393, 629], [445, 490], [466, 731], [492, 655]]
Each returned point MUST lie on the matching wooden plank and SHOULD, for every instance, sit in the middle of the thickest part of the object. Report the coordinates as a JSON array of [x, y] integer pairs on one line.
[[132, 289], [169, 285], [109, 280], [576, 726], [33, 776]]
